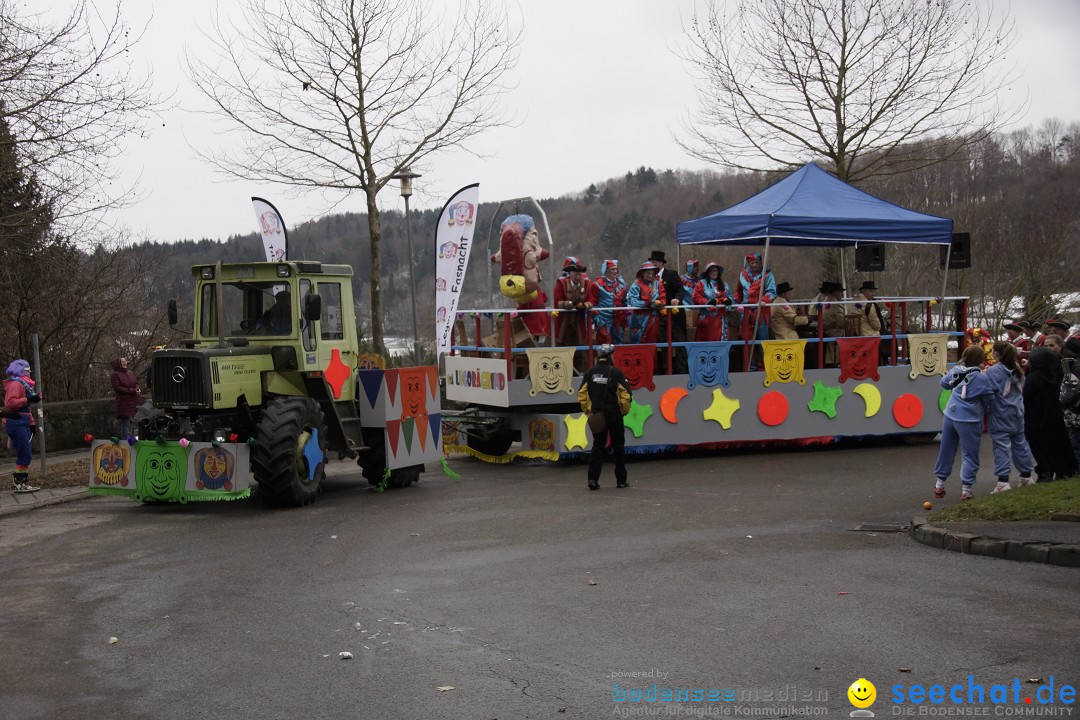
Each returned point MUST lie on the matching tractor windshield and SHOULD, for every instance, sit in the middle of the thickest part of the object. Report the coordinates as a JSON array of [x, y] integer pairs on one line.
[[248, 309]]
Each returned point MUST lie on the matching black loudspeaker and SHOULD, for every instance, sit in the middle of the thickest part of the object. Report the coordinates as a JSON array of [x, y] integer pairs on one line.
[[870, 258], [960, 256]]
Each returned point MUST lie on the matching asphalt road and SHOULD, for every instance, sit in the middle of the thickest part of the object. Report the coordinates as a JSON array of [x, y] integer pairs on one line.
[[524, 592]]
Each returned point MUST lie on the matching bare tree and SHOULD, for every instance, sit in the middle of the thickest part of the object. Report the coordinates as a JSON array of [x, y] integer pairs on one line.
[[341, 95], [874, 87], [71, 96]]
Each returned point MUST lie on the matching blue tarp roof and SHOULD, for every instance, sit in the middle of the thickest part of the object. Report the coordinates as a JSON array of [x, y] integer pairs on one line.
[[812, 207]]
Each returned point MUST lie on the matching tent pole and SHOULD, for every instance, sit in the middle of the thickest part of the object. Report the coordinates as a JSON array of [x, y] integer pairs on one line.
[[843, 271], [945, 282], [761, 293]]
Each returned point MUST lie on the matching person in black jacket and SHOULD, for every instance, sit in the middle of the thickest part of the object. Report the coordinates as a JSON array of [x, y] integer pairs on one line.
[[673, 290], [605, 397]]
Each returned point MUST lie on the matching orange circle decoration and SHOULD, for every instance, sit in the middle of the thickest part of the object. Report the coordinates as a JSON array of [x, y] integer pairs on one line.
[[669, 403], [772, 408], [907, 410]]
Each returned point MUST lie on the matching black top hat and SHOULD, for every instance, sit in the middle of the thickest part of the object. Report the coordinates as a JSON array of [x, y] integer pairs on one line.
[[783, 288], [868, 285], [1014, 327], [830, 287], [1059, 324], [657, 256]]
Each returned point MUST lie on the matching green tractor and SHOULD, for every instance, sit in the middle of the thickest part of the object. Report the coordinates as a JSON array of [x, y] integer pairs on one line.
[[265, 388]]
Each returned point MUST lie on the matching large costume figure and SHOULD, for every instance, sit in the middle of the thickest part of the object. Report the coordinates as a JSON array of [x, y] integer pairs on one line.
[[572, 302], [519, 258], [608, 291], [711, 290], [648, 296]]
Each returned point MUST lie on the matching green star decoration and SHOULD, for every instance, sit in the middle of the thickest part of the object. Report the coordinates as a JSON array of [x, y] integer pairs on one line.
[[825, 398], [635, 419]]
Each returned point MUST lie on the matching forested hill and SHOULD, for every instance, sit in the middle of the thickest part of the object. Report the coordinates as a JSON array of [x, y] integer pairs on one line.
[[1018, 196]]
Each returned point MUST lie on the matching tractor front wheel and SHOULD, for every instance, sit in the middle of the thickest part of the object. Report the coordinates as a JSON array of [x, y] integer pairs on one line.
[[289, 456]]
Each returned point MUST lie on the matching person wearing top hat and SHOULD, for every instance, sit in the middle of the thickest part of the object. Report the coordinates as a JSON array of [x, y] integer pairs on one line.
[[572, 302], [673, 294], [784, 318], [1033, 331], [1058, 327], [646, 295], [865, 311]]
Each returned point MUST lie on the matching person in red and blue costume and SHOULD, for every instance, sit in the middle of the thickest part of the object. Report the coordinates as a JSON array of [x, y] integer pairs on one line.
[[756, 284], [713, 291], [648, 296], [20, 394], [608, 291]]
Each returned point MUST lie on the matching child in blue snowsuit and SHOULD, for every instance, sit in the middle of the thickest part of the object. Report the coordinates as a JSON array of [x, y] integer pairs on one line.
[[1006, 417], [963, 421]]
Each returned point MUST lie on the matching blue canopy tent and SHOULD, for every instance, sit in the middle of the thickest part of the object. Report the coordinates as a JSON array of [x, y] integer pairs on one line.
[[812, 208]]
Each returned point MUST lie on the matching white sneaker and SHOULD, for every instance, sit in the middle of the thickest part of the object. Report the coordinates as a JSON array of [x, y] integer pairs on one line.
[[1025, 481], [25, 488], [966, 494], [1001, 487]]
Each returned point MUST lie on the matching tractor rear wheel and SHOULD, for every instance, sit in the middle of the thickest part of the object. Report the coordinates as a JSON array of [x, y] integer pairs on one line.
[[289, 455]]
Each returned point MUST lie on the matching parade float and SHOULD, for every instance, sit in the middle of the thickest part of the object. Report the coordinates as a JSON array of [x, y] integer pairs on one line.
[[516, 391]]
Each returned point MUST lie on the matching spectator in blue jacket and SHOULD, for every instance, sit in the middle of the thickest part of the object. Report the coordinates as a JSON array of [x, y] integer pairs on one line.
[[1006, 417], [963, 421]]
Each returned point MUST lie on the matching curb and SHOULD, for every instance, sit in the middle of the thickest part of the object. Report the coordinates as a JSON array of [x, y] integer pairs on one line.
[[72, 494], [1063, 554]]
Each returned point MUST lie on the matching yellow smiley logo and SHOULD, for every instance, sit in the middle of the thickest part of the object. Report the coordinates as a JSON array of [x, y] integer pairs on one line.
[[862, 693]]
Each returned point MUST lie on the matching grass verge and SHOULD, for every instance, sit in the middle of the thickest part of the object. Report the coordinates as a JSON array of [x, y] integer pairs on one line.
[[1035, 502]]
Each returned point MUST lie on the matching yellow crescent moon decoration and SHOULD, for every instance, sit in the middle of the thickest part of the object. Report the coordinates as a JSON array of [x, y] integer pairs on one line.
[[871, 395], [669, 403]]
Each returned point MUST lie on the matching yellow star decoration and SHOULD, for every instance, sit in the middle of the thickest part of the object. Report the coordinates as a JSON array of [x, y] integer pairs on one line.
[[575, 431], [721, 409]]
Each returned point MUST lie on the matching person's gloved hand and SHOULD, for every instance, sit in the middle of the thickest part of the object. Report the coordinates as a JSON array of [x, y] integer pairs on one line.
[[727, 301], [33, 399]]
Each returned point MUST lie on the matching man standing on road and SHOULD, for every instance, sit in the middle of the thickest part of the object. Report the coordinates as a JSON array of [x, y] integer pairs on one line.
[[604, 398], [20, 393]]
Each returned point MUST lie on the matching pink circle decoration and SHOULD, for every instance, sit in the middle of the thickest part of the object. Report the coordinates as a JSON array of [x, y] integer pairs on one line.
[[772, 408], [907, 410]]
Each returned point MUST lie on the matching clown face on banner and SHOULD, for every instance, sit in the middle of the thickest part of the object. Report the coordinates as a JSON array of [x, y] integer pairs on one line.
[[858, 357], [161, 471], [637, 363], [928, 354], [413, 399], [111, 465], [783, 361], [709, 364], [551, 370], [214, 468]]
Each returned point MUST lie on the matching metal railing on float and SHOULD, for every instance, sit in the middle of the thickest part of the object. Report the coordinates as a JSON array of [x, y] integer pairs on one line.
[[900, 310]]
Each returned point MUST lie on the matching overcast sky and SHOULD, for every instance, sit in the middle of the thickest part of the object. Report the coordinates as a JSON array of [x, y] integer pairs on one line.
[[599, 92]]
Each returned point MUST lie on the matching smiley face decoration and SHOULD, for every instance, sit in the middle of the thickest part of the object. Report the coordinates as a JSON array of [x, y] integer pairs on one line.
[[784, 361], [858, 358], [637, 363], [708, 364], [928, 355], [551, 370]]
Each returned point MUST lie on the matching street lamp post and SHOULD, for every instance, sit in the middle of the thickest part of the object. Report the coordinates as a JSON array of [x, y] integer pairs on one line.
[[406, 175]]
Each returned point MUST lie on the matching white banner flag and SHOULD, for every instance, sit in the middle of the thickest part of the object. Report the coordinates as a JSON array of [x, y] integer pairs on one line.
[[272, 227], [453, 241]]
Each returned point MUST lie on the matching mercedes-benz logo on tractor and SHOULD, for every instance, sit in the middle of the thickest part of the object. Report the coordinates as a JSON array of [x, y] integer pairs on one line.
[[178, 374]]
